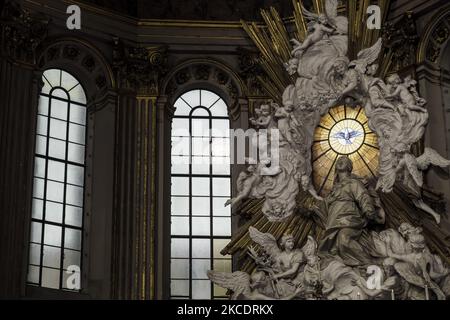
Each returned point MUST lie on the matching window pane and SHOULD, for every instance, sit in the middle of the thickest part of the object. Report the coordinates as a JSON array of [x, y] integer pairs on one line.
[[201, 206], [72, 239], [35, 254], [76, 153], [180, 206], [38, 188], [209, 98], [59, 109], [36, 232], [182, 109], [200, 165], [200, 146], [68, 81], [200, 267], [41, 145], [221, 165], [201, 226], [200, 127], [200, 186], [221, 187], [179, 287], [180, 146], [179, 268], [58, 129], [37, 211], [219, 109], [74, 216], [77, 114], [180, 226], [53, 76], [42, 125], [53, 212], [222, 265], [50, 278], [180, 248], [192, 98], [200, 112], [180, 186], [201, 248], [220, 147], [55, 191], [180, 165], [52, 257], [219, 208], [57, 149], [180, 127], [222, 226], [60, 93], [201, 289], [75, 175], [77, 94], [219, 245], [74, 195], [39, 167], [52, 235], [56, 170], [71, 258], [76, 133], [33, 274], [221, 127], [43, 106]]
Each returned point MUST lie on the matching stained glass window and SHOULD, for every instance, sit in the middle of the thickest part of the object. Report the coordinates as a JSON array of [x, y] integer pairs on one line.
[[343, 130], [200, 223], [58, 191]]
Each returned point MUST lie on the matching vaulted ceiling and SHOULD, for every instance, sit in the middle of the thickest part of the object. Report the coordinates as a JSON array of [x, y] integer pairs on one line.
[[216, 10]]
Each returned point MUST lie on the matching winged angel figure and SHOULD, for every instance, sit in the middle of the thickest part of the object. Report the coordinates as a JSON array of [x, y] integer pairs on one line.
[[320, 26], [412, 169]]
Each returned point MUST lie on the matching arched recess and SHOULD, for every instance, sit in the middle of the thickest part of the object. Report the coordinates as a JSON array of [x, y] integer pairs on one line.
[[193, 74], [84, 61], [433, 72]]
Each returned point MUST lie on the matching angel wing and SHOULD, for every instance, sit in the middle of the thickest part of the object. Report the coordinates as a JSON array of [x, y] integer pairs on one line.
[[310, 248], [331, 7], [431, 157], [369, 55], [339, 22], [412, 166], [265, 240], [238, 281], [308, 14], [240, 181]]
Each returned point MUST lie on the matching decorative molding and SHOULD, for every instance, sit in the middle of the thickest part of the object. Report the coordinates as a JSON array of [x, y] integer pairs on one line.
[[400, 39], [139, 68], [21, 33], [435, 38], [206, 73]]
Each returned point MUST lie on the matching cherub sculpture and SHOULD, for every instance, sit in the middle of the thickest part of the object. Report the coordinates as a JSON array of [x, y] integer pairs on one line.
[[264, 118], [406, 92], [248, 180], [320, 27]]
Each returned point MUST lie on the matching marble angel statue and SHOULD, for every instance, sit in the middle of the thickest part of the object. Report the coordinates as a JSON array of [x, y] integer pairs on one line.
[[320, 26], [248, 181], [412, 169], [243, 285], [406, 92], [286, 261]]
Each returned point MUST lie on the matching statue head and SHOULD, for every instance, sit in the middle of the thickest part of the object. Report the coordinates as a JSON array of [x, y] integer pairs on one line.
[[322, 18], [401, 147], [305, 182], [372, 69], [417, 242], [388, 266], [265, 110], [344, 164], [312, 260], [291, 66], [287, 241], [340, 65], [406, 230], [394, 79]]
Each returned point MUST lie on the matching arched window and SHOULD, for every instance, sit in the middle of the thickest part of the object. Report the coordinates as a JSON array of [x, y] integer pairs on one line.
[[200, 223], [58, 190]]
